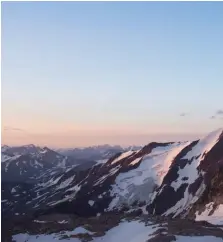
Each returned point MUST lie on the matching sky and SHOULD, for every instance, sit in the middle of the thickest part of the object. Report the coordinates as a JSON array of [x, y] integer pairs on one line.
[[84, 73]]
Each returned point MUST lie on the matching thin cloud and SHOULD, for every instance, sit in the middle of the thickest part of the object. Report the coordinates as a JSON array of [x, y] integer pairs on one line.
[[183, 114], [8, 128], [219, 112]]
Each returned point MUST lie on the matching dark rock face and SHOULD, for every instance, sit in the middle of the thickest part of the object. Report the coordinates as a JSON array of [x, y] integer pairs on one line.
[[212, 194], [208, 169], [158, 206], [166, 192]]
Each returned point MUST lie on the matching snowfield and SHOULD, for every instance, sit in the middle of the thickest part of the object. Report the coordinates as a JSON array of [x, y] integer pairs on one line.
[[139, 183], [133, 231]]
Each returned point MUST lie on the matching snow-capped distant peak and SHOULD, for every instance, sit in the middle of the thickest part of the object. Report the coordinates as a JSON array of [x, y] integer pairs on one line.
[[29, 146]]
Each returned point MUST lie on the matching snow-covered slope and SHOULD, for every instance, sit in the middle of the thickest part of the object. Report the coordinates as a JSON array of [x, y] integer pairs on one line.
[[137, 184]]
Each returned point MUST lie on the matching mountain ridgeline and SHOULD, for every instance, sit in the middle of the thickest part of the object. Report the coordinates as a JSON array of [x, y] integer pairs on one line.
[[176, 180]]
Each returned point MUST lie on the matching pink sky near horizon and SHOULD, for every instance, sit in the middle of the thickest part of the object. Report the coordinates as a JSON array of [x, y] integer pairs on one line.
[[61, 141], [88, 137], [21, 128]]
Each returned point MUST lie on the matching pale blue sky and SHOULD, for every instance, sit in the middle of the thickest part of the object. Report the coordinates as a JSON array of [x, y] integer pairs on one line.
[[114, 68]]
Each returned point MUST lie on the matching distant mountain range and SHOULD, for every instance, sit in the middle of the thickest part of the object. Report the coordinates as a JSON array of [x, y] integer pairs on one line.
[[95, 152], [174, 180], [25, 163]]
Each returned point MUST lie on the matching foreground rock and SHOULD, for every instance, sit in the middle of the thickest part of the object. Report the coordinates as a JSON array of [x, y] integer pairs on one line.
[[112, 228]]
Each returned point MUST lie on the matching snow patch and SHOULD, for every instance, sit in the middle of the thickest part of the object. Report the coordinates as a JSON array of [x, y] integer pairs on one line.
[[112, 172], [40, 221], [91, 202], [122, 156], [215, 218], [65, 183], [101, 161], [76, 188], [135, 161], [13, 190], [51, 182], [62, 164], [81, 230], [43, 151], [38, 164], [62, 222], [9, 160], [133, 231]]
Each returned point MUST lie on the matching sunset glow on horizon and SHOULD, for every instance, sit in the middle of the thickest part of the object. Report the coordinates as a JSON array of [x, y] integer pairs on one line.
[[80, 73]]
